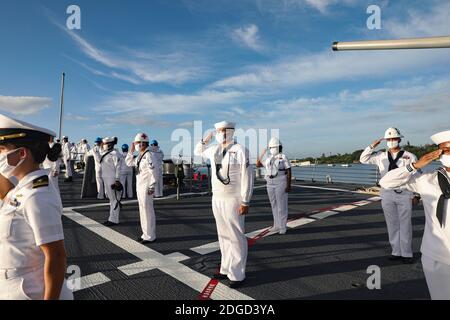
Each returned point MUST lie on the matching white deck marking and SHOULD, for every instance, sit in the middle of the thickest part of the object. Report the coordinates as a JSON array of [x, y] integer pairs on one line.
[[91, 280], [154, 259], [106, 204], [214, 246], [324, 188]]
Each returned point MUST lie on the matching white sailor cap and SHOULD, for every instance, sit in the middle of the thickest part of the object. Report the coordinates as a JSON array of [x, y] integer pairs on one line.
[[11, 129], [441, 137], [109, 140], [225, 125]]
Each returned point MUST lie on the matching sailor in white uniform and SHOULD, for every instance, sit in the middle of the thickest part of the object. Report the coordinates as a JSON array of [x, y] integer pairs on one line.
[[397, 204], [67, 156], [278, 177], [110, 162], [434, 187], [145, 185], [53, 167], [32, 253], [126, 173], [232, 187], [158, 155], [95, 152]]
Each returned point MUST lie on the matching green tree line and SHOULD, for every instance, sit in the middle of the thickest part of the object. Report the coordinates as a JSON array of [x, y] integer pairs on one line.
[[353, 157]]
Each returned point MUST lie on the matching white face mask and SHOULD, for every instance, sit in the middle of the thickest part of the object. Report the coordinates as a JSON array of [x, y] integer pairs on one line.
[[445, 160], [274, 151], [392, 144], [6, 169], [105, 147], [221, 137]]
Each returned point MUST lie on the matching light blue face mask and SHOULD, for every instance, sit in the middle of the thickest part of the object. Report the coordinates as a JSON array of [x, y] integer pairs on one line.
[[6, 169]]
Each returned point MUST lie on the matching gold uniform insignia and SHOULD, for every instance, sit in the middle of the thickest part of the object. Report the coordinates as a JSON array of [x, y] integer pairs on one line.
[[40, 182]]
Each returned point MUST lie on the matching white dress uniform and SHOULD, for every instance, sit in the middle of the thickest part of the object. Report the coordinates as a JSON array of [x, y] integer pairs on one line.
[[396, 204], [436, 238], [145, 181], [96, 153], [158, 155], [53, 168], [126, 176], [67, 156], [227, 198], [83, 149], [276, 176], [110, 162], [30, 217]]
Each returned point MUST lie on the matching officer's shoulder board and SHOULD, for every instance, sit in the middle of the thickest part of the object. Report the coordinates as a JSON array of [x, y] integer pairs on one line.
[[40, 182]]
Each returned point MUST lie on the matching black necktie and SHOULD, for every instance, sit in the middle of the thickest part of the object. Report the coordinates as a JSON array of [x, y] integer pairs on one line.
[[444, 183], [393, 162]]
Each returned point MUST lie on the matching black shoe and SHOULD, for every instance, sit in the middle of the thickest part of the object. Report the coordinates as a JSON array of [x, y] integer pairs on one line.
[[110, 224], [139, 240], [407, 260], [235, 284], [147, 241], [394, 258], [220, 276]]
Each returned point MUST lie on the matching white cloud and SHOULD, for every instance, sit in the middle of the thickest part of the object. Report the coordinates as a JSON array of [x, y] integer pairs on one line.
[[416, 23], [75, 117], [331, 66], [24, 106], [248, 36], [134, 67], [150, 104]]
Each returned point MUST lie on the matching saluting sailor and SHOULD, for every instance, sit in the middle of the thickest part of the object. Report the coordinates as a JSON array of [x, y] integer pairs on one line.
[[96, 153], [396, 204], [434, 187], [158, 155], [67, 156], [126, 173], [53, 166], [145, 185], [232, 187], [278, 177], [110, 162], [32, 253]]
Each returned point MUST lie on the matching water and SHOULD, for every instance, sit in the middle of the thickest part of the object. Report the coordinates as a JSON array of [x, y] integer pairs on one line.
[[360, 174]]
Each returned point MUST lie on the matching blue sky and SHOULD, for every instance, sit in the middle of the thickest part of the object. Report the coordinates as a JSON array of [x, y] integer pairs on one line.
[[156, 66]]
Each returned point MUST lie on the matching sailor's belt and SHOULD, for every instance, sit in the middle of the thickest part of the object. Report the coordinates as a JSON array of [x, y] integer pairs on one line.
[[6, 274]]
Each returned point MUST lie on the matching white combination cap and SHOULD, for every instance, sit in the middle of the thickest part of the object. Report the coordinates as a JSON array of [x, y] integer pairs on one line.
[[225, 125], [441, 137], [11, 129], [109, 140]]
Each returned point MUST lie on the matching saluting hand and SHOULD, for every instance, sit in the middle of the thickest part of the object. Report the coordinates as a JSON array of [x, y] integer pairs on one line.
[[133, 147], [376, 143], [427, 159], [208, 137], [243, 210]]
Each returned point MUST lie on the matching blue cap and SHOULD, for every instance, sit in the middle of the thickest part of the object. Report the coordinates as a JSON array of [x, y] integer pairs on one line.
[[98, 140], [154, 143], [125, 147]]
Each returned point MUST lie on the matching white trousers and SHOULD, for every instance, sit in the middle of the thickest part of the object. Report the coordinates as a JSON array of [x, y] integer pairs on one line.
[[100, 185], [159, 186], [29, 287], [127, 181], [54, 181], [69, 172], [397, 210], [279, 201], [232, 240], [146, 213], [437, 275], [112, 194]]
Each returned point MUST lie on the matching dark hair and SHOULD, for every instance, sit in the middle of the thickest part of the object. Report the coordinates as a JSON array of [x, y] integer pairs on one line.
[[280, 148], [39, 149]]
